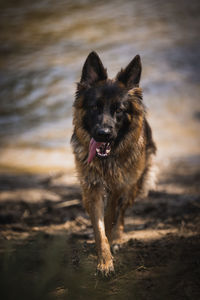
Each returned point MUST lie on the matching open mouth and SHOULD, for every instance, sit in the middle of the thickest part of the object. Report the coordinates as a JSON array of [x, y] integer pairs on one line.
[[99, 149], [103, 150]]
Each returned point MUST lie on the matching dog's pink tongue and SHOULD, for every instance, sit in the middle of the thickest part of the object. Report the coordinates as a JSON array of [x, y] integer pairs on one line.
[[92, 149]]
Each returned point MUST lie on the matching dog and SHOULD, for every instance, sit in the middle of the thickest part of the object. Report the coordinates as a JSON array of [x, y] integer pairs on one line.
[[113, 148]]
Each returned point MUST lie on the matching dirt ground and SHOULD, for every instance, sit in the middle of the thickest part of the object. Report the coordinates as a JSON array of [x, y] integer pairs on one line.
[[47, 249]]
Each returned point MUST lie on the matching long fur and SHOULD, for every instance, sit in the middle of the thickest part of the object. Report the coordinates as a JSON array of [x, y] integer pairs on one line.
[[112, 183]]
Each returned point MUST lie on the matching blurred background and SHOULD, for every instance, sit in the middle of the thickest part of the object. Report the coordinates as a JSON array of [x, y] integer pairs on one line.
[[44, 44], [47, 248]]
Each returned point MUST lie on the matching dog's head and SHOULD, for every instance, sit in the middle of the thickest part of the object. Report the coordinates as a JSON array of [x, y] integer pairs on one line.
[[110, 108]]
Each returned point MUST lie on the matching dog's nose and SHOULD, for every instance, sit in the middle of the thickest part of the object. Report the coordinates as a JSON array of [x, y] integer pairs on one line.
[[104, 133]]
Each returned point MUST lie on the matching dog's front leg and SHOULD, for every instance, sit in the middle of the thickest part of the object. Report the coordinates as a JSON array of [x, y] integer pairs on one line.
[[96, 210]]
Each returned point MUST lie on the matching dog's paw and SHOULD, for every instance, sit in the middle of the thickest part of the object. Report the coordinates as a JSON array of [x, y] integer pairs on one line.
[[105, 269]]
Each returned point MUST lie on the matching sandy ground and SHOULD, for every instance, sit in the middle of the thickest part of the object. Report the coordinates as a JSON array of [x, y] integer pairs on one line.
[[48, 252]]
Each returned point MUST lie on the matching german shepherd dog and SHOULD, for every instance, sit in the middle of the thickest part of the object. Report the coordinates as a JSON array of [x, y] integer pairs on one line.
[[113, 147]]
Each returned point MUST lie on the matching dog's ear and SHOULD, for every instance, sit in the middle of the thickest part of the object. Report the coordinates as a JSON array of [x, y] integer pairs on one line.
[[93, 69], [130, 76]]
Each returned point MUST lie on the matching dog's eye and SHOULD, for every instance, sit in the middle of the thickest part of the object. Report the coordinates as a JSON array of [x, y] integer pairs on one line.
[[118, 110]]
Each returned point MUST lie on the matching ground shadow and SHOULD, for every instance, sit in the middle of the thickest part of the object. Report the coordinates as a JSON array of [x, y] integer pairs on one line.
[[61, 267]]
